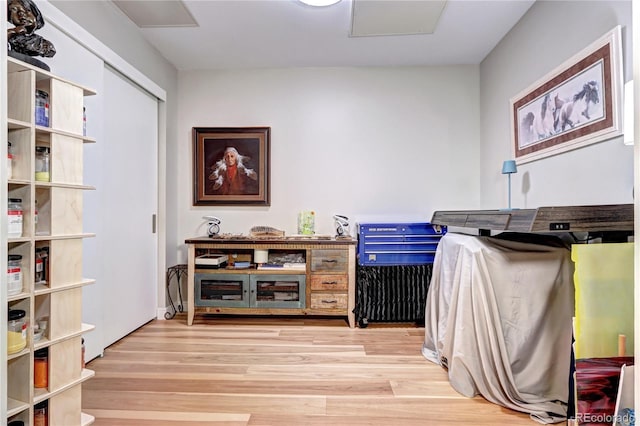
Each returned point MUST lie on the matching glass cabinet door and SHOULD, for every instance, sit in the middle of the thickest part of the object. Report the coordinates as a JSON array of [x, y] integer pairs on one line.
[[278, 291], [245, 291], [230, 290]]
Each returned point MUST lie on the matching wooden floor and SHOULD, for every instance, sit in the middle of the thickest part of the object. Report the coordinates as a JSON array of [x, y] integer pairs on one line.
[[266, 371]]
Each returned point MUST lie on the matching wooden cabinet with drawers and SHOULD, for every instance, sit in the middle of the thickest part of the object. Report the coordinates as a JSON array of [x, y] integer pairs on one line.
[[323, 286], [329, 277]]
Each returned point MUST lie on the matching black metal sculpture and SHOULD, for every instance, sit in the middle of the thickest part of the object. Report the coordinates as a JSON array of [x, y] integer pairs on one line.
[[23, 42]]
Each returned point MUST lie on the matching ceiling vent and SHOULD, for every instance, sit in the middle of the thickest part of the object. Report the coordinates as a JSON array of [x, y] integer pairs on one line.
[[395, 17], [157, 13]]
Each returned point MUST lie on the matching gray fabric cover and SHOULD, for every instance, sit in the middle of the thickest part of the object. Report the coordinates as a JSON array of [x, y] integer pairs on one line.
[[499, 317]]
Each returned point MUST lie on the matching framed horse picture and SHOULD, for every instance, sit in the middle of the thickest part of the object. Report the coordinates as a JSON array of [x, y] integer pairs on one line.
[[577, 104], [231, 166]]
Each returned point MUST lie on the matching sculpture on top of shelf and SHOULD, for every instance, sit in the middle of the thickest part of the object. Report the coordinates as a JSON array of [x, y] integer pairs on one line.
[[342, 226], [23, 42]]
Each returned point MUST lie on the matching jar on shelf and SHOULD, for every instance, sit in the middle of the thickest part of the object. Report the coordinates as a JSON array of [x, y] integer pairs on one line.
[[40, 414], [9, 161], [14, 274], [16, 331], [41, 368], [39, 269], [14, 214], [44, 254], [82, 352], [42, 108], [84, 121], [42, 164]]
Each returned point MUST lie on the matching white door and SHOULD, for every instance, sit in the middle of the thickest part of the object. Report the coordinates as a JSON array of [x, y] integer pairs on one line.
[[128, 195]]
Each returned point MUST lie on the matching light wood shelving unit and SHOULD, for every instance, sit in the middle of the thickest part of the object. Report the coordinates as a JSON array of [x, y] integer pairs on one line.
[[58, 227]]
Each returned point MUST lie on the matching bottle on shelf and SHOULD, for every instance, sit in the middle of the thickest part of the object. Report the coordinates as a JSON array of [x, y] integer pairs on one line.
[[41, 414], [9, 161], [14, 215], [44, 254], [14, 274], [39, 269], [42, 164], [42, 326], [16, 331], [41, 368], [42, 108]]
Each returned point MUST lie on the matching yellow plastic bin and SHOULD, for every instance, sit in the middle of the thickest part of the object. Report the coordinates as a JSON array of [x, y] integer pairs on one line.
[[603, 282]]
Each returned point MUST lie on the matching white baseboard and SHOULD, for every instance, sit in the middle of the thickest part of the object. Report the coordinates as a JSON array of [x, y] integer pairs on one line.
[[161, 312]]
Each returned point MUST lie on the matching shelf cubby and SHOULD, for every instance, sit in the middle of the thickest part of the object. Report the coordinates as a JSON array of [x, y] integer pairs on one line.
[[65, 262], [20, 139], [22, 94]]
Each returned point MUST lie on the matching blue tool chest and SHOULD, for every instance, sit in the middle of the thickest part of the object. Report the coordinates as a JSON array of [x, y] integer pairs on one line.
[[398, 243]]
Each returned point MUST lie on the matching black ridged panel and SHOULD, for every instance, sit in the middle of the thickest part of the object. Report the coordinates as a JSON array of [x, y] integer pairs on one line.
[[392, 293]]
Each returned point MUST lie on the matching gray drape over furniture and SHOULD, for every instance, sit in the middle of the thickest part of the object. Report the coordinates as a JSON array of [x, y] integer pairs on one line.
[[499, 317]]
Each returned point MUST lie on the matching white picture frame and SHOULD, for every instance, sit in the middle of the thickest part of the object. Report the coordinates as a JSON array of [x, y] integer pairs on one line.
[[577, 104]]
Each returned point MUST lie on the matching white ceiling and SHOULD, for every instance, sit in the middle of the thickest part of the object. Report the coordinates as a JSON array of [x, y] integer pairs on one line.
[[287, 33]]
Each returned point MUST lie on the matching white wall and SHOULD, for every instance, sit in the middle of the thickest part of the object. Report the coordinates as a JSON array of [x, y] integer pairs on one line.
[[550, 33], [374, 144]]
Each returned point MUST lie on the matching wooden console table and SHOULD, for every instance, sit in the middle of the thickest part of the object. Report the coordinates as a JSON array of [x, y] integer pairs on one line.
[[324, 286]]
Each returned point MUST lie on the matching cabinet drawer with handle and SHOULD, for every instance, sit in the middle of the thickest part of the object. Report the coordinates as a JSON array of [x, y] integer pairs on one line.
[[329, 261], [333, 301], [329, 282]]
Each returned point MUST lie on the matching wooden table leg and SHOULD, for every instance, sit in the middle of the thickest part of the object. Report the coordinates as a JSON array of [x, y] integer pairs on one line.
[[190, 284]]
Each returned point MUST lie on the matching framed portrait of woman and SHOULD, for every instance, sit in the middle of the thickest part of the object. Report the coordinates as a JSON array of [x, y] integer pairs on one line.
[[231, 166]]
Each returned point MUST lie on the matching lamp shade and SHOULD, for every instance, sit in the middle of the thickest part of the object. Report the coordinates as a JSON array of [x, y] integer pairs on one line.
[[508, 167]]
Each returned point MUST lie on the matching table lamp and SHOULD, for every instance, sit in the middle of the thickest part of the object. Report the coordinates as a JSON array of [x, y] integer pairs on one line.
[[508, 168]]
